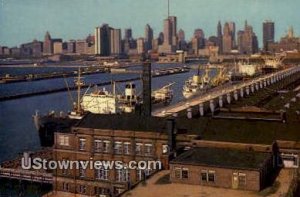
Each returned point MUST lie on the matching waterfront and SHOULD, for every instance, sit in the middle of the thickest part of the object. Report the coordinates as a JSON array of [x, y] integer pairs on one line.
[[18, 133]]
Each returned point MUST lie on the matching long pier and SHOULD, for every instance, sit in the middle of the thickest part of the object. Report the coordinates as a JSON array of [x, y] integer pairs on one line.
[[215, 97], [156, 73], [26, 175]]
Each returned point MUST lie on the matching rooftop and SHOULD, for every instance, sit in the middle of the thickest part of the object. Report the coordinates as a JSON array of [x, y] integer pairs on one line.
[[224, 158]]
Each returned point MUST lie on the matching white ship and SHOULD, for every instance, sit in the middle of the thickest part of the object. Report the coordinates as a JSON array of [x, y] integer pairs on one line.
[[163, 95], [273, 62], [197, 84], [247, 69]]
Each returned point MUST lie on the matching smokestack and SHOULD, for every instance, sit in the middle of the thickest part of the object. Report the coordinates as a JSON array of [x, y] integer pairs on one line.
[[146, 78], [171, 137]]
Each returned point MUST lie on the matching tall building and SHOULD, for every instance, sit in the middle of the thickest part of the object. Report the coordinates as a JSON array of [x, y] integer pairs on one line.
[[247, 40], [268, 34], [102, 40], [148, 37], [232, 31], [220, 36], [57, 47], [182, 45], [47, 45], [227, 39], [115, 41], [199, 35], [170, 35], [128, 34], [141, 45]]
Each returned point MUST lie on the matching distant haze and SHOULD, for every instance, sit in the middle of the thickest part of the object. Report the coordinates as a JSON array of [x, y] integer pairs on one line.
[[24, 20]]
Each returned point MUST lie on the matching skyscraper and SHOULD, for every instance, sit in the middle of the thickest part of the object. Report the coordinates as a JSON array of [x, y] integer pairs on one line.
[[232, 31], [102, 40], [148, 37], [128, 34], [268, 34], [115, 41], [47, 45], [220, 36], [199, 35], [247, 40], [227, 39], [170, 35]]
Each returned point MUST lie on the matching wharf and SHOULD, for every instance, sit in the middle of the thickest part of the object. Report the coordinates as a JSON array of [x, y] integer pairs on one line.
[[226, 93], [155, 73], [12, 169]]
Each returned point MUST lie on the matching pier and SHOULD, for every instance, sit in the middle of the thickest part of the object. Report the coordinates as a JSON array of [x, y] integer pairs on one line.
[[155, 73], [12, 169], [226, 93]]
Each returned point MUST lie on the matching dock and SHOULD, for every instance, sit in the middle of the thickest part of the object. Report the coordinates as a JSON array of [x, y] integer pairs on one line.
[[155, 73], [226, 93], [12, 169]]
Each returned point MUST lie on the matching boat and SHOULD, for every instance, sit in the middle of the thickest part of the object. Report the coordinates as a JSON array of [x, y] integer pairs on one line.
[[163, 95], [197, 84]]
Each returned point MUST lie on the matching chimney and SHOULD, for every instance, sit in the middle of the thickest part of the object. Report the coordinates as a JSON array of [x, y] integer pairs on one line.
[[171, 137], [146, 79]]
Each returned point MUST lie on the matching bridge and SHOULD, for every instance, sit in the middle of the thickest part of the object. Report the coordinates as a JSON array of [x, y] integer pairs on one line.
[[225, 92]]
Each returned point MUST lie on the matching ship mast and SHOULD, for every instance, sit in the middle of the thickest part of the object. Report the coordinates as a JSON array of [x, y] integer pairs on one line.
[[78, 91]]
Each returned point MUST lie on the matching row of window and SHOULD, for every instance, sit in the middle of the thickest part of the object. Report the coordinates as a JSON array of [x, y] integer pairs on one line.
[[118, 147], [210, 176], [206, 175], [104, 146], [82, 189], [122, 175]]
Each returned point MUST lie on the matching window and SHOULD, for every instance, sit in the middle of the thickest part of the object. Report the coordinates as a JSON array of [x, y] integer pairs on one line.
[[82, 143], [178, 173], [148, 149], [81, 172], [102, 174], [242, 179], [126, 148], [63, 140], [211, 176], [138, 148], [101, 190], [122, 175], [65, 186], [165, 149], [82, 189], [98, 146], [106, 146], [185, 173], [140, 174], [204, 175], [118, 148]]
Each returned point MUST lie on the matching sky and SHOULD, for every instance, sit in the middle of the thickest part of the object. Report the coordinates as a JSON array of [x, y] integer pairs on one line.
[[22, 21]]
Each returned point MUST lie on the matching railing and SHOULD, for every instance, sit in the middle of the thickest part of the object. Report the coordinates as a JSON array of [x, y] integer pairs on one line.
[[26, 175]]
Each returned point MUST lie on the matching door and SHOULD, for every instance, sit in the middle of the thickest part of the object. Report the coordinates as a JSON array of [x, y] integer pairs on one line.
[[235, 180]]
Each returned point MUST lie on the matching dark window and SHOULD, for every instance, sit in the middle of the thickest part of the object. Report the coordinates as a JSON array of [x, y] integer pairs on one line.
[[204, 175], [185, 173], [211, 176]]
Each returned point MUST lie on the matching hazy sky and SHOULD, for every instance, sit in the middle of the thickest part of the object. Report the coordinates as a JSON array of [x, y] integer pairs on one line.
[[23, 20]]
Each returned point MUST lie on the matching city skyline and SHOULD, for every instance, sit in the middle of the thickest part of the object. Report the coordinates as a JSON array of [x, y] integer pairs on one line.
[[91, 17]]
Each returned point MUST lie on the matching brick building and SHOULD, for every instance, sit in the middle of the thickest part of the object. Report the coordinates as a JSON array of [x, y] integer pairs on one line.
[[219, 167], [112, 138]]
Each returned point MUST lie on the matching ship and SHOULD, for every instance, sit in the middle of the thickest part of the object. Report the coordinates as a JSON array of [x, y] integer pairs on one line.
[[97, 101], [197, 84], [163, 95]]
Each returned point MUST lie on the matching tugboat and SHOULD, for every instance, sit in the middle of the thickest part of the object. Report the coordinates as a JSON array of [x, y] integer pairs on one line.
[[197, 84]]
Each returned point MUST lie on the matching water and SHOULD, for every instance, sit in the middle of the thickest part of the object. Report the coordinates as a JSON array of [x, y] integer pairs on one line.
[[17, 131]]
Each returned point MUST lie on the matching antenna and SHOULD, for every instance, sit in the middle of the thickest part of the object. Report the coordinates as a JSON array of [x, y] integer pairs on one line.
[[168, 8]]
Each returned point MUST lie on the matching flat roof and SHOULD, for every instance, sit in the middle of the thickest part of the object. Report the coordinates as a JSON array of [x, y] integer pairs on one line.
[[223, 158]]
